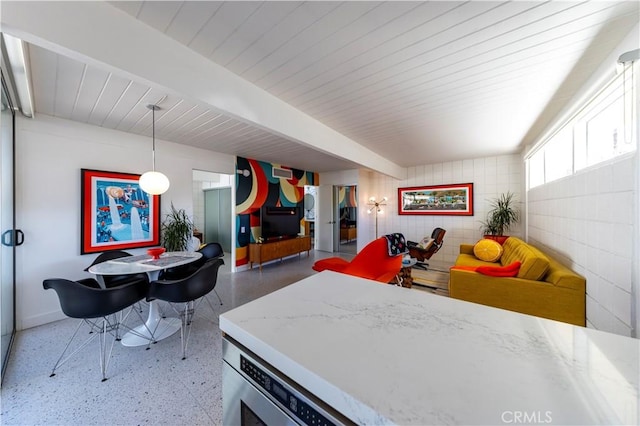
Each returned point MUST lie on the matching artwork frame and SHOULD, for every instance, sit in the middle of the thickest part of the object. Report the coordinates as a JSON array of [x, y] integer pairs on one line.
[[434, 200], [100, 191]]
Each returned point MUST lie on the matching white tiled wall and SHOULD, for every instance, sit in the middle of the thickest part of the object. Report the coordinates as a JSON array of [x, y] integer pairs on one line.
[[491, 176], [587, 221]]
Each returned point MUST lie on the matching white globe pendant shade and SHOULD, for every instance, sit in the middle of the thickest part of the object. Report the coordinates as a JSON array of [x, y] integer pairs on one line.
[[154, 183]]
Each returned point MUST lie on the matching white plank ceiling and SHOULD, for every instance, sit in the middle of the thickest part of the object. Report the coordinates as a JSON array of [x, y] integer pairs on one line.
[[416, 82]]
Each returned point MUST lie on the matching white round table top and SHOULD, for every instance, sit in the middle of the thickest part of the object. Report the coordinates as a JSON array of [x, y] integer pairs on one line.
[[144, 263]]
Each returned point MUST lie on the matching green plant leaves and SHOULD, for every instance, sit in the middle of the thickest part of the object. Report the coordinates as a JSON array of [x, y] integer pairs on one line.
[[502, 216], [177, 229]]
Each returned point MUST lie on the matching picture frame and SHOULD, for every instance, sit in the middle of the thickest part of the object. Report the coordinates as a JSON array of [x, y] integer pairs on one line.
[[455, 200], [116, 214]]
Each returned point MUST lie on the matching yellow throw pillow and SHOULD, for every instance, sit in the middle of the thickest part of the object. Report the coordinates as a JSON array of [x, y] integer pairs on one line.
[[488, 250]]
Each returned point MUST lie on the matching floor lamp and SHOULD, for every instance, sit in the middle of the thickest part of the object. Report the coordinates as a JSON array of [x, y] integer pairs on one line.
[[375, 207]]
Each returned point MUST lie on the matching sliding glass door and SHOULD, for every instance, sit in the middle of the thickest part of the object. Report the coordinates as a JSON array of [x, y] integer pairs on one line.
[[7, 227]]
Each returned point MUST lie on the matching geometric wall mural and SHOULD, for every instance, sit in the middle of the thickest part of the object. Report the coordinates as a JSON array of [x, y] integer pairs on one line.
[[256, 187]]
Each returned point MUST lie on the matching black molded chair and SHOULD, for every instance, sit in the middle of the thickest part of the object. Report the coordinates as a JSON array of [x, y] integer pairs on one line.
[[422, 253], [209, 251], [116, 280], [98, 308], [111, 281], [185, 295]]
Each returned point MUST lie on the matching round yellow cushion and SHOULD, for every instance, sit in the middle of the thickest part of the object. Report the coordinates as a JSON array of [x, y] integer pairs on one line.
[[488, 250]]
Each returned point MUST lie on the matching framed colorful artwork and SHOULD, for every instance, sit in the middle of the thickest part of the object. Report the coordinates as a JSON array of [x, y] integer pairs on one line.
[[456, 199], [116, 214]]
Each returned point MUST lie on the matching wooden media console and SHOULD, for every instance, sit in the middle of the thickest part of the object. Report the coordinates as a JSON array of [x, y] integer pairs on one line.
[[278, 249]]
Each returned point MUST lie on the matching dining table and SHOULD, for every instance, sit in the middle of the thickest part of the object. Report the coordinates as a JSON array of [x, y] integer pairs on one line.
[[156, 326]]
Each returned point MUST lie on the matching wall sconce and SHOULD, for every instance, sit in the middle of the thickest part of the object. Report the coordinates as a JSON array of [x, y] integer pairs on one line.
[[154, 183], [375, 207]]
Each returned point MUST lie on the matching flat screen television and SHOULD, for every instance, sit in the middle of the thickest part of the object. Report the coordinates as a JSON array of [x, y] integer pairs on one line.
[[280, 222]]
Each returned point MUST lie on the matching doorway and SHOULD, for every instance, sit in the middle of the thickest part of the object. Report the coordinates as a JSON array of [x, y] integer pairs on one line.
[[213, 211], [310, 196], [347, 205], [337, 229], [217, 217]]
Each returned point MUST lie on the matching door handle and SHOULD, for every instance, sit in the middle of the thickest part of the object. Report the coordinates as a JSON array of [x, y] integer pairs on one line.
[[9, 237]]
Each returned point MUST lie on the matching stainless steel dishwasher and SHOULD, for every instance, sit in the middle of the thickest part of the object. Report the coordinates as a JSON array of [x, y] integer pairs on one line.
[[254, 393]]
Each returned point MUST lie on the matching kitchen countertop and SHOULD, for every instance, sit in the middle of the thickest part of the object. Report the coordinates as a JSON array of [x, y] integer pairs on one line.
[[381, 354]]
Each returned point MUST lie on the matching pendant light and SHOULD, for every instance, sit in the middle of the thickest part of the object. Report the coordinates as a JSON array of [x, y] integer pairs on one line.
[[154, 183]]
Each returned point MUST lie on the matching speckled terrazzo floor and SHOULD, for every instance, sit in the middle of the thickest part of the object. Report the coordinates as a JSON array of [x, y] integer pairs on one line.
[[145, 386]]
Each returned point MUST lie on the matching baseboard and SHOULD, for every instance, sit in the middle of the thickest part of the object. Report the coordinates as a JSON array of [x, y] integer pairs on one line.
[[41, 319]]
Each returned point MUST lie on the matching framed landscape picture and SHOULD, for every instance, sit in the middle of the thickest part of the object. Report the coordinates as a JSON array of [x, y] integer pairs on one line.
[[116, 214], [455, 199]]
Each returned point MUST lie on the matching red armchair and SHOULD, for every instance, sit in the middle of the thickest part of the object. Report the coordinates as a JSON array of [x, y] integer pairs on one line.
[[373, 262]]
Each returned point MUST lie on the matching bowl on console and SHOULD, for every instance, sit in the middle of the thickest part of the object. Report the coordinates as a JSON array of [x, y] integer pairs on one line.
[[155, 252]]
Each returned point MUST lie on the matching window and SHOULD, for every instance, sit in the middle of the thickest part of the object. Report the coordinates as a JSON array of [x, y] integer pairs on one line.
[[558, 155], [536, 169], [602, 129]]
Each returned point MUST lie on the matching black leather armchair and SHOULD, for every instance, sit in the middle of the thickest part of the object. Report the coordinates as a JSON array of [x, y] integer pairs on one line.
[[422, 253]]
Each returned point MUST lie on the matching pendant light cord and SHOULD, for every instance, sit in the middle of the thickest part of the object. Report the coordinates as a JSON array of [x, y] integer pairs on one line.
[[153, 138], [153, 108]]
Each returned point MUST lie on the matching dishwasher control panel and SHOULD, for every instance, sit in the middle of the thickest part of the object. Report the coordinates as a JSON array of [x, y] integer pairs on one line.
[[282, 394]]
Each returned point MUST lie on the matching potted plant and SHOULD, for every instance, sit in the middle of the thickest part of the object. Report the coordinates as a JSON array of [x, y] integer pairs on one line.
[[177, 229], [501, 217]]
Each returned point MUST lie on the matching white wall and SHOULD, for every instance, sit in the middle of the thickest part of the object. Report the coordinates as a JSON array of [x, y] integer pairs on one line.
[[591, 220], [49, 154], [344, 177], [587, 222], [491, 176], [366, 221]]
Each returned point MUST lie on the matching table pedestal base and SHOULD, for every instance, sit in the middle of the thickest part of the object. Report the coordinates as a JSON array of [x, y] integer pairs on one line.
[[154, 329], [140, 335]]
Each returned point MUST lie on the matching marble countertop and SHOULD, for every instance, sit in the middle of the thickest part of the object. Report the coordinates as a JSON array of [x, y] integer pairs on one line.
[[382, 354]]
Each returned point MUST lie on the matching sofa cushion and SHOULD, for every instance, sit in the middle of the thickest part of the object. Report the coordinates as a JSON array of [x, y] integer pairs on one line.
[[500, 271], [488, 250], [492, 271], [534, 264]]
